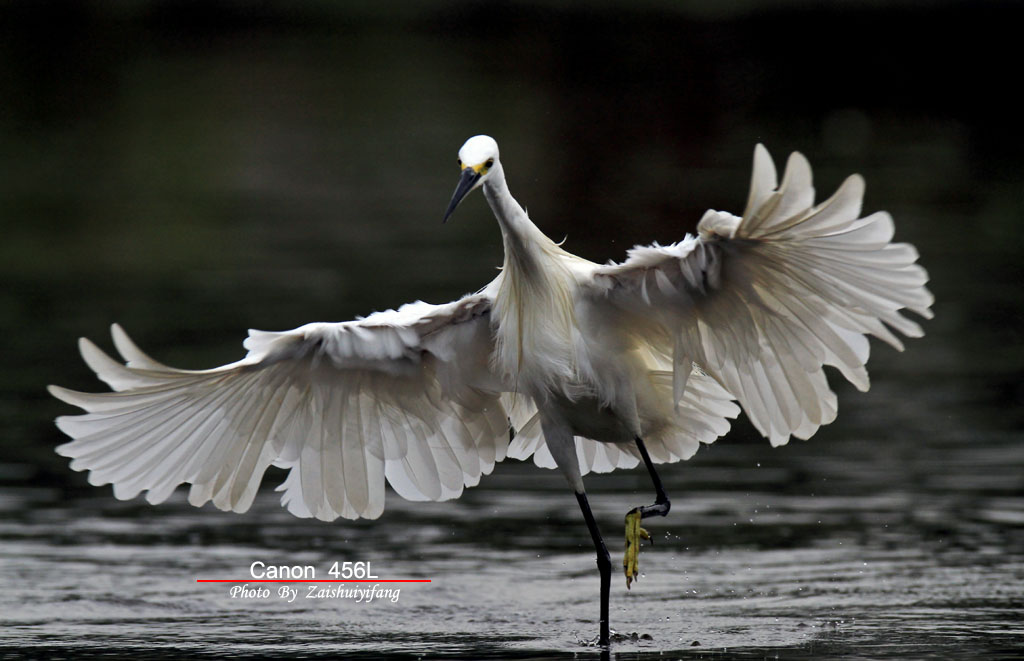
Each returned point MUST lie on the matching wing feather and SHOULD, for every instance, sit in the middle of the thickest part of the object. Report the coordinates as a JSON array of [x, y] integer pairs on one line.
[[401, 396], [764, 301]]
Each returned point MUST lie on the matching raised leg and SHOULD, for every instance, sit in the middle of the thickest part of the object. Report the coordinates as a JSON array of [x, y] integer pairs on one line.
[[604, 564], [634, 533]]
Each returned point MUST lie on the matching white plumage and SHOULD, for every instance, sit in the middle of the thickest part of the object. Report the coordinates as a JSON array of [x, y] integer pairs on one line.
[[582, 358]]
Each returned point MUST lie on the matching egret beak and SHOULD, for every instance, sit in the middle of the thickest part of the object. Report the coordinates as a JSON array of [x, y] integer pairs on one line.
[[467, 182]]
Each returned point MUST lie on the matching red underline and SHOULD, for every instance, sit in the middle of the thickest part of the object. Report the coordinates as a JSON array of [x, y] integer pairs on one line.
[[313, 580]]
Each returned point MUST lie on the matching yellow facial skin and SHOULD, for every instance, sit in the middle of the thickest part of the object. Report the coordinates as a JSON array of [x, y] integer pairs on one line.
[[480, 168]]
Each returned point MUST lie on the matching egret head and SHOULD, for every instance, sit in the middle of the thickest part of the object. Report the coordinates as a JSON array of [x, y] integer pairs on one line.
[[478, 158]]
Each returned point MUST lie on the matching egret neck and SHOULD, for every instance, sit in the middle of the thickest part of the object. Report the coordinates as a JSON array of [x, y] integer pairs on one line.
[[534, 302]]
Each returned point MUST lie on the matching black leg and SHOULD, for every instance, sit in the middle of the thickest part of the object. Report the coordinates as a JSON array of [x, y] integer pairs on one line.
[[604, 565], [634, 533], [661, 504]]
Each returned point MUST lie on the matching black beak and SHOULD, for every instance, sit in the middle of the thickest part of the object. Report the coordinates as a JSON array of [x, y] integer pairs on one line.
[[466, 182]]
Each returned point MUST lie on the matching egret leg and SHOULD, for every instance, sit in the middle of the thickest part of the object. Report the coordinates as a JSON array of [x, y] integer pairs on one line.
[[604, 564], [634, 533]]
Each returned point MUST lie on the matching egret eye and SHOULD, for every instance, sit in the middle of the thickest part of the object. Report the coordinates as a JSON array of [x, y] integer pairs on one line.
[[459, 160], [489, 163]]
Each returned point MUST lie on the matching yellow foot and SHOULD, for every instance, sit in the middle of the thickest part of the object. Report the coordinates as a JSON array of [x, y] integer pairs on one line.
[[634, 533]]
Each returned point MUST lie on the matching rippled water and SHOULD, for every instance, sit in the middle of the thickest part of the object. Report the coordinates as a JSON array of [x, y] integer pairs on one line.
[[811, 550], [191, 177], [849, 545]]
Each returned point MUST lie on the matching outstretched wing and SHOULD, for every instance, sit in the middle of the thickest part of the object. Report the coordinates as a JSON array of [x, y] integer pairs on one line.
[[405, 395], [763, 302]]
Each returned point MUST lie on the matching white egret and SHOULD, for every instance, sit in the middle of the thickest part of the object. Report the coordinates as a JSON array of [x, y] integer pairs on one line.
[[595, 367]]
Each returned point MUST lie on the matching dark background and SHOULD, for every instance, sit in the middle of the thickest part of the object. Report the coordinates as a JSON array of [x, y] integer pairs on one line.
[[191, 170], [194, 169]]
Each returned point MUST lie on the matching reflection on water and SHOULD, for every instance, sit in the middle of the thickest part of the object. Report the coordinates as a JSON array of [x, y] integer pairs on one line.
[[803, 551], [191, 178]]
